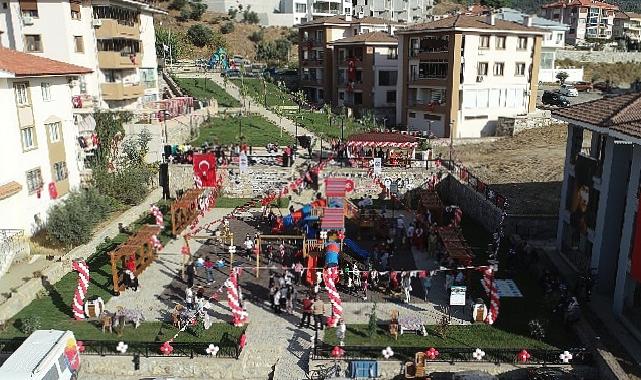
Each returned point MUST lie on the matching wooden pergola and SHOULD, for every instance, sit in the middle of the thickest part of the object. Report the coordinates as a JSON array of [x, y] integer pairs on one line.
[[455, 245], [139, 247], [185, 210], [430, 200]]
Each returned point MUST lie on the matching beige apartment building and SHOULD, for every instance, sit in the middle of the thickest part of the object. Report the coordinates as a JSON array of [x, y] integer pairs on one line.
[[588, 19], [627, 26], [316, 52], [458, 75]]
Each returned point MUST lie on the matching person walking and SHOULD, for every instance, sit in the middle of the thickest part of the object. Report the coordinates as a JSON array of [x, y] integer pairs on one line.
[[276, 301], [341, 329], [427, 286], [307, 311], [318, 308], [249, 246], [209, 268], [291, 298], [406, 283], [190, 271], [189, 298]]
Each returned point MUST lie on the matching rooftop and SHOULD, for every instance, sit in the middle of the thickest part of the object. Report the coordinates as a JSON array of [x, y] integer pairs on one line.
[[340, 20], [20, 64], [462, 22], [618, 113], [514, 15], [626, 15], [383, 137], [580, 3], [372, 38]]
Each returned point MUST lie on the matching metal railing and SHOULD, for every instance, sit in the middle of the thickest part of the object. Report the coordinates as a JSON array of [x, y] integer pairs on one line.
[[323, 350], [228, 348]]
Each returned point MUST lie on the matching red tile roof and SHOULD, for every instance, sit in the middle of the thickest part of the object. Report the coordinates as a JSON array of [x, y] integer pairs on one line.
[[372, 37], [580, 3], [469, 22], [28, 65], [383, 137], [619, 113]]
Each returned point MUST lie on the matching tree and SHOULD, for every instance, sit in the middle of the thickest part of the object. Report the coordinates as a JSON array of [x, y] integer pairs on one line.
[[232, 13], [185, 15], [249, 16], [257, 36], [227, 28], [495, 4], [171, 39], [562, 76], [372, 324], [200, 35], [197, 10]]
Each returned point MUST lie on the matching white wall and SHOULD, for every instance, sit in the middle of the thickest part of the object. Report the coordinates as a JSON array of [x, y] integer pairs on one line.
[[19, 209], [382, 63]]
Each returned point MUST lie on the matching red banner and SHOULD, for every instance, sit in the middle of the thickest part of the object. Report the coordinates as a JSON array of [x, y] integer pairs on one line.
[[205, 169], [635, 271]]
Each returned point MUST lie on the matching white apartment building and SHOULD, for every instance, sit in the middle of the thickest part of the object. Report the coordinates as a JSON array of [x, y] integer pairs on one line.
[[627, 26], [115, 38], [461, 73], [588, 19], [38, 137], [395, 10]]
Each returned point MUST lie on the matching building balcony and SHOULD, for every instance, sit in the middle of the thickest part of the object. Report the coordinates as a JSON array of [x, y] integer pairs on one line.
[[311, 82], [425, 105], [118, 60], [114, 29], [313, 62], [121, 91]]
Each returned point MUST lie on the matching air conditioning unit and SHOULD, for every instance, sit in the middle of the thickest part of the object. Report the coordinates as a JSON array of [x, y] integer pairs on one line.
[[27, 20], [479, 78], [96, 22]]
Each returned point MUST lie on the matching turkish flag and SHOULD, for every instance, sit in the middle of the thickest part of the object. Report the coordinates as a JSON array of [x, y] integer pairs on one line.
[[635, 271], [205, 168]]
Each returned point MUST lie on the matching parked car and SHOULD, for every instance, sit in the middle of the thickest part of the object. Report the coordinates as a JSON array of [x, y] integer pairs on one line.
[[583, 86], [569, 90], [549, 373], [554, 99]]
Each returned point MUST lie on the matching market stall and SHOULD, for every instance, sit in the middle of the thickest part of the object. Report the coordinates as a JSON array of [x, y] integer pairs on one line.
[[394, 149]]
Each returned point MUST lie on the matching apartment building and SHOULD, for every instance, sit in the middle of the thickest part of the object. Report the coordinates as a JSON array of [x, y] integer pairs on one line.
[[37, 137], [115, 38], [599, 216], [553, 40], [316, 51], [367, 75], [395, 10], [588, 19], [461, 73], [627, 27]]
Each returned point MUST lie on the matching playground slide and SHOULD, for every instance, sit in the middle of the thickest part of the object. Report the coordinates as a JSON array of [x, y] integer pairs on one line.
[[360, 251]]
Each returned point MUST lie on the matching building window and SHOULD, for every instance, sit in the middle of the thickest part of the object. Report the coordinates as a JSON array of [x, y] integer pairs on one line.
[[499, 68], [387, 78], [500, 42], [54, 131], [559, 38], [358, 98], [45, 88], [520, 69], [301, 8], [79, 44], [148, 77], [28, 137], [522, 44], [341, 95], [434, 69], [392, 53], [390, 96], [32, 43], [22, 95], [60, 171], [482, 68], [34, 180], [75, 9], [485, 42], [429, 116], [412, 115]]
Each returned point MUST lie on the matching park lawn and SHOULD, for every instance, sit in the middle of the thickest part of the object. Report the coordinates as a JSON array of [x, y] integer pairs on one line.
[[474, 336], [318, 123], [54, 309], [255, 90], [202, 88], [257, 131], [236, 202]]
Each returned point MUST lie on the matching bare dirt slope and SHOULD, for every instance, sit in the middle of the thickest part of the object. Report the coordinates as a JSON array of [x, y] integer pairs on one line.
[[527, 168]]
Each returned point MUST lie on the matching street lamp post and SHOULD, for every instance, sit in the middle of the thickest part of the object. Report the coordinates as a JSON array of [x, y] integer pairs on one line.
[[240, 125], [451, 141], [342, 128]]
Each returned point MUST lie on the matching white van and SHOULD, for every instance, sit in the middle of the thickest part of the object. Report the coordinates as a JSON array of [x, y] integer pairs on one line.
[[44, 355]]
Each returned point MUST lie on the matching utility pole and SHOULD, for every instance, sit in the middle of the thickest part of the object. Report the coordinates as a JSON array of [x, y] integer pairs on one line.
[[451, 141]]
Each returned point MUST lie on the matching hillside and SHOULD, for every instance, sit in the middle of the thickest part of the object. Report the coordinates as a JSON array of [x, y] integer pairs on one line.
[[528, 6], [238, 41]]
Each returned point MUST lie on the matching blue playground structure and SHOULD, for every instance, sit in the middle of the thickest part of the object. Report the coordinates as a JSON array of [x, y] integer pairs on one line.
[[357, 249]]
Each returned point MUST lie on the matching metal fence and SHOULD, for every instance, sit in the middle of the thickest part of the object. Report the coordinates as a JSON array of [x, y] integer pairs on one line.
[[452, 355], [228, 348]]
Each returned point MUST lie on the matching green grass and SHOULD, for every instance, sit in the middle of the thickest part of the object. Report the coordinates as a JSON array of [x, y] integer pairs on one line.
[[54, 308], [202, 88], [236, 202], [255, 90], [256, 130], [319, 123], [474, 336]]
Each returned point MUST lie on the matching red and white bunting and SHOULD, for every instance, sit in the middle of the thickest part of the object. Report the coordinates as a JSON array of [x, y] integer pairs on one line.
[[330, 275], [79, 295], [239, 315]]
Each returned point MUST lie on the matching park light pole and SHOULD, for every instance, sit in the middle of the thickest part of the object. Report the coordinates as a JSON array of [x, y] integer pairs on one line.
[[240, 125], [451, 142]]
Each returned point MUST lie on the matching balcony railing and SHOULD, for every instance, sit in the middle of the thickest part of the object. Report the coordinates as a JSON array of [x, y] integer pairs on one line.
[[121, 91], [118, 29], [118, 59]]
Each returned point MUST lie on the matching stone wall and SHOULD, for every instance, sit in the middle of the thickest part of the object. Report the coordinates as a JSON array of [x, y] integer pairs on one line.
[[510, 126], [598, 56]]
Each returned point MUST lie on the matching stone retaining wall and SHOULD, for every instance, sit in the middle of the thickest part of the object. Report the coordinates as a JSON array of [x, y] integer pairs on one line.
[[510, 126], [598, 56]]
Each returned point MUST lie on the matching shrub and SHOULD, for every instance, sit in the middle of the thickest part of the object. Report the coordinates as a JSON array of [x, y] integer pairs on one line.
[[250, 17], [178, 4], [200, 35], [256, 36], [29, 324], [197, 10], [232, 13], [185, 14], [227, 27], [372, 323], [72, 221]]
